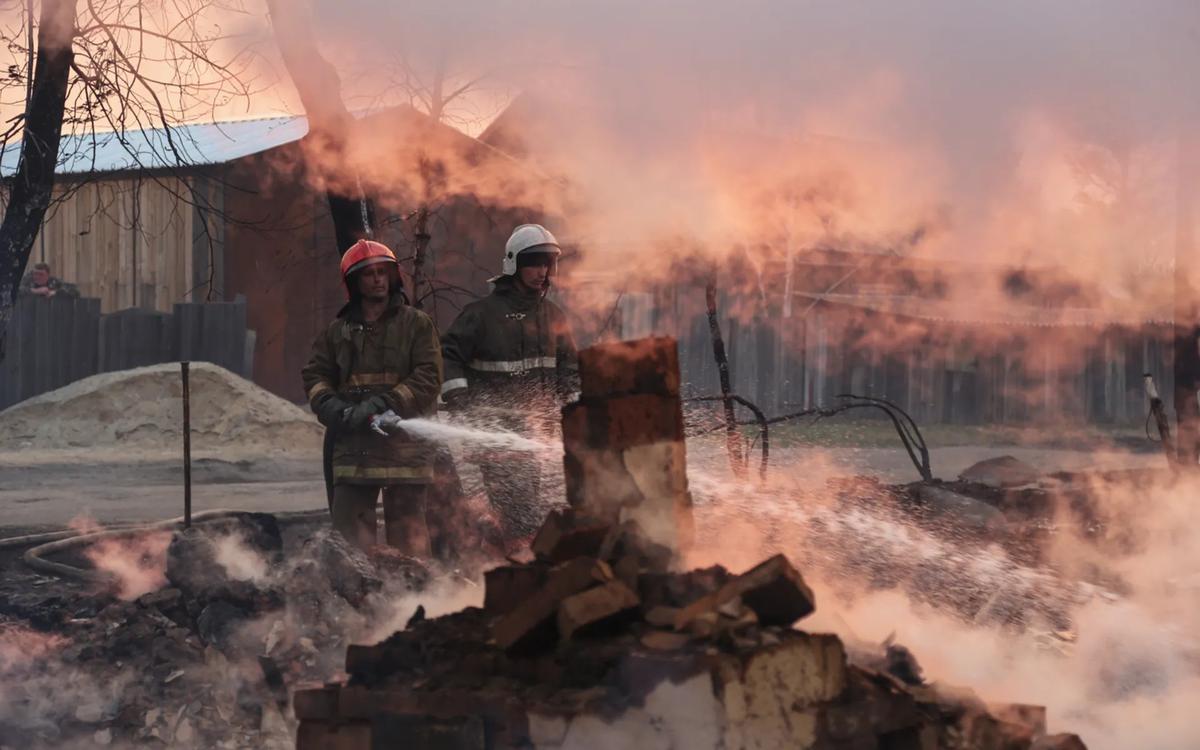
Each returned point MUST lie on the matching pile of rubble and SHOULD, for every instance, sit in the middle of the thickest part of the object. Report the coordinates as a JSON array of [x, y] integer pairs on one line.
[[593, 644], [597, 640], [208, 660]]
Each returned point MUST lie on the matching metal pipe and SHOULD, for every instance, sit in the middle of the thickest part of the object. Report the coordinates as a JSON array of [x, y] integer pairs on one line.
[[187, 447]]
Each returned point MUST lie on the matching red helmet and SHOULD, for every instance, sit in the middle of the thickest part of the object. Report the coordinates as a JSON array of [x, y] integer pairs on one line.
[[362, 254]]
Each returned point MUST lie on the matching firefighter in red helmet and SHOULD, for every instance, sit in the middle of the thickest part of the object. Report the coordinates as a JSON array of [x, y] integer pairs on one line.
[[379, 359]]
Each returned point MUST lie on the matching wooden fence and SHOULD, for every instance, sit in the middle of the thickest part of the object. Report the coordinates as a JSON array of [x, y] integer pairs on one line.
[[953, 374], [55, 342]]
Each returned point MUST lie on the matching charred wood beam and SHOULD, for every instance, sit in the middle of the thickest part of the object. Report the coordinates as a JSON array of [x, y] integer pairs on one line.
[[732, 436], [1158, 412], [760, 419]]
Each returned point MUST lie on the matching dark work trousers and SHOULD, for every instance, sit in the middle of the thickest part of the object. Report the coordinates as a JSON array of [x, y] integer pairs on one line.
[[404, 524]]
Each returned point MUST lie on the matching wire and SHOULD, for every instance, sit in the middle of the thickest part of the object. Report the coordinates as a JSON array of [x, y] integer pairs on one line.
[[906, 427]]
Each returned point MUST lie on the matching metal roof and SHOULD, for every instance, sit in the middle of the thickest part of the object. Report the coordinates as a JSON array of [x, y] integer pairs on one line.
[[195, 145]]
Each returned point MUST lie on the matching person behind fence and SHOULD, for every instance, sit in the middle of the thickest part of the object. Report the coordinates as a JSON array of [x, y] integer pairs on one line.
[[41, 283], [378, 363], [510, 360]]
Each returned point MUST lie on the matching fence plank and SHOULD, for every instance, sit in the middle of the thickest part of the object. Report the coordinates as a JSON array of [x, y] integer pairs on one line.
[[56, 342]]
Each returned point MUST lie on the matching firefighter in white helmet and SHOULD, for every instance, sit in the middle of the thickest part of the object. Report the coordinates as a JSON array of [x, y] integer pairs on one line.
[[511, 357]]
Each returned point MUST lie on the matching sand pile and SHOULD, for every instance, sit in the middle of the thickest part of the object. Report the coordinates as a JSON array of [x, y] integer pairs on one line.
[[141, 409]]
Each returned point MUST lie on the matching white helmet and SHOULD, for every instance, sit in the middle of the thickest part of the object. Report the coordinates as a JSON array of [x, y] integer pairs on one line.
[[525, 238]]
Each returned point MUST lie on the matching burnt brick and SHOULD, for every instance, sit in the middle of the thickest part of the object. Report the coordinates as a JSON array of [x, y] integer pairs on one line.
[[594, 607], [773, 590]]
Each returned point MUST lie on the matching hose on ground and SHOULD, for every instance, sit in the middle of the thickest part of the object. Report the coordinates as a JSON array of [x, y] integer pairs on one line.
[[61, 541]]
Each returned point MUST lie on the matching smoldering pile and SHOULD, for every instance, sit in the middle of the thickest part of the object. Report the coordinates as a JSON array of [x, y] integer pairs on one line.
[[980, 548], [210, 659], [594, 644]]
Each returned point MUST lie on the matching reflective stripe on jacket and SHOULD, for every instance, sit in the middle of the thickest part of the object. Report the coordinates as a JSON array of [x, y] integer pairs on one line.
[[510, 348]]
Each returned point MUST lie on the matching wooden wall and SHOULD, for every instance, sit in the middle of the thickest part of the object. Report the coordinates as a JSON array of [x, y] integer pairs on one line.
[[53, 342], [126, 241], [280, 254]]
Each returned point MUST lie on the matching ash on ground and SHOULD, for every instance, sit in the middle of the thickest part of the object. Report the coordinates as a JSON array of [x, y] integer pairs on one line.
[[249, 611]]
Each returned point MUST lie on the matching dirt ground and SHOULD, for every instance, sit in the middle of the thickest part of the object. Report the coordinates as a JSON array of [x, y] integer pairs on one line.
[[42, 489], [50, 489]]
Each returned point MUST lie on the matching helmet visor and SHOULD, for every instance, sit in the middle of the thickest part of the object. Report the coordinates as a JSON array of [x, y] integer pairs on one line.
[[369, 262], [547, 260]]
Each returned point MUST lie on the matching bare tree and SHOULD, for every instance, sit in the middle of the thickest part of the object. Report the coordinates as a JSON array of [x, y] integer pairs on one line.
[[34, 179], [461, 96], [122, 69], [330, 123]]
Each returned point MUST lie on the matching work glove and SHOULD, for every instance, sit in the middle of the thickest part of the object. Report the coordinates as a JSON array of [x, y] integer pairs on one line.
[[456, 400], [387, 423], [332, 410], [360, 415]]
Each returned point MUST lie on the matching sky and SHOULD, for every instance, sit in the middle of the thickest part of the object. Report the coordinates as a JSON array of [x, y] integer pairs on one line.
[[1020, 132], [1006, 127]]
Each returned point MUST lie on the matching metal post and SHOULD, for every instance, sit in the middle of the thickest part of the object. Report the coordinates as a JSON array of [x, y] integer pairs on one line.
[[187, 448]]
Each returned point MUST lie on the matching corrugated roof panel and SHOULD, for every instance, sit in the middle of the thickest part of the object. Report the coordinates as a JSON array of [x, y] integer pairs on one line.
[[193, 145]]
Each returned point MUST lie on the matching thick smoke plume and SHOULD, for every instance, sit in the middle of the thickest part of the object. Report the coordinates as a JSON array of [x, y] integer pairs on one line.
[[1101, 631], [1030, 134]]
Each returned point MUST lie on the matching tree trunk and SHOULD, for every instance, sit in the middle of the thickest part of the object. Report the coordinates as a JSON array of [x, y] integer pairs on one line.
[[733, 441], [329, 122], [33, 183], [420, 249]]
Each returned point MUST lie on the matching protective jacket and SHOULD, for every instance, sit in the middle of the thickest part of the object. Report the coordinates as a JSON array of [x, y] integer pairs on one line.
[[509, 349], [395, 362]]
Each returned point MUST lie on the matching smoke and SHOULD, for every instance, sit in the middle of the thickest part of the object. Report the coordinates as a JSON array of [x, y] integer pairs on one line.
[[1022, 133], [1101, 630], [20, 646], [136, 562], [442, 598], [240, 562]]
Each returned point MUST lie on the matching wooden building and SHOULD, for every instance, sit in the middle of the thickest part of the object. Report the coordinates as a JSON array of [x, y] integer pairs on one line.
[[228, 211]]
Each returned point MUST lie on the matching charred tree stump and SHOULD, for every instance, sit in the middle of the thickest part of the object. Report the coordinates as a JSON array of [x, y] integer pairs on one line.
[[1161, 421], [732, 436]]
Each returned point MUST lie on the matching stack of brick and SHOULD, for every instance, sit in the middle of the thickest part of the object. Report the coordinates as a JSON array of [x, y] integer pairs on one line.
[[624, 456], [593, 645], [600, 642]]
